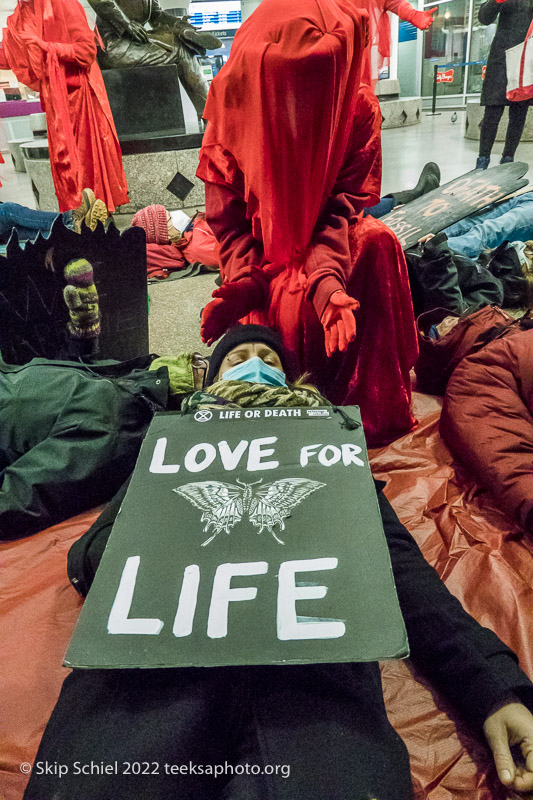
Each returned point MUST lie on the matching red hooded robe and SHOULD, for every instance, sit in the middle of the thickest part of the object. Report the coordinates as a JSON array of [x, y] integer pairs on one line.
[[82, 140], [290, 157]]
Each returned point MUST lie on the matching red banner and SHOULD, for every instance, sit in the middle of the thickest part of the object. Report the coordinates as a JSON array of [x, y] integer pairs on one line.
[[445, 77]]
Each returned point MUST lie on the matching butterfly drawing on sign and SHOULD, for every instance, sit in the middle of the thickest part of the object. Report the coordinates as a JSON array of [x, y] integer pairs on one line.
[[224, 504]]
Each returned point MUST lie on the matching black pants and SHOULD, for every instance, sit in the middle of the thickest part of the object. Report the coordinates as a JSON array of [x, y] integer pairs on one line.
[[515, 128], [325, 723]]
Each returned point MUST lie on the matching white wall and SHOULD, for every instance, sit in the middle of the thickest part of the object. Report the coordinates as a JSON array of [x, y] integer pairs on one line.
[[175, 4], [248, 7]]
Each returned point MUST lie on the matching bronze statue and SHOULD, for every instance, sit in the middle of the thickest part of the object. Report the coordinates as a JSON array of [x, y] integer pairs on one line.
[[168, 40]]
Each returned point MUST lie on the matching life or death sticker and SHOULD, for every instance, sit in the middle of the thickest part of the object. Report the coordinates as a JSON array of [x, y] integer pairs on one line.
[[244, 539]]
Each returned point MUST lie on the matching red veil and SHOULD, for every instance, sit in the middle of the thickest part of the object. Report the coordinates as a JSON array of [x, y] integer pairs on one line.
[[287, 133], [83, 143]]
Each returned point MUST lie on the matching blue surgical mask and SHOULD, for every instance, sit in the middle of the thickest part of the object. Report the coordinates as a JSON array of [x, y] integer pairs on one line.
[[256, 371]]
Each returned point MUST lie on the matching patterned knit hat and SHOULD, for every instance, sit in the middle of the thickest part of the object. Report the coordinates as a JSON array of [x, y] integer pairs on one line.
[[154, 221]]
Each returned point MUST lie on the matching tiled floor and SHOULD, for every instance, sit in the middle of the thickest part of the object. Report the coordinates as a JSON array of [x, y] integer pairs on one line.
[[176, 306], [406, 150]]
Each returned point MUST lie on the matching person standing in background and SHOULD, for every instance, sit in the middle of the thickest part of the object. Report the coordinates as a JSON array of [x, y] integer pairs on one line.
[[514, 18]]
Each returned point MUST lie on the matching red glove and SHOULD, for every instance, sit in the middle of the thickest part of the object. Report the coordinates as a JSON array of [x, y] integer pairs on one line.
[[232, 302], [420, 19], [338, 322]]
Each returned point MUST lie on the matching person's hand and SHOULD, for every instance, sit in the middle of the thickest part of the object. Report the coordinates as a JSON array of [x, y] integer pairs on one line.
[[136, 32], [426, 238], [423, 19], [338, 321], [231, 302], [32, 38], [512, 724], [428, 18]]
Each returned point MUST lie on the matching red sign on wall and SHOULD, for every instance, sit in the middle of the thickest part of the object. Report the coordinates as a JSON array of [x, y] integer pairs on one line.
[[445, 77]]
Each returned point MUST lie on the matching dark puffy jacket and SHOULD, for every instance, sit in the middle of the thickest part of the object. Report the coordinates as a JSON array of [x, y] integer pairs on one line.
[[441, 278], [487, 421], [69, 436], [439, 357]]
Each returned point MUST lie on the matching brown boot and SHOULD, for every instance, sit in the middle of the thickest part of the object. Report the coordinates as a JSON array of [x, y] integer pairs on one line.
[[97, 213], [78, 214]]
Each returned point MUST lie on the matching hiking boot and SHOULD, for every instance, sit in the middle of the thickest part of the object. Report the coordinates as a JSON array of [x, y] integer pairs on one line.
[[97, 213], [78, 214]]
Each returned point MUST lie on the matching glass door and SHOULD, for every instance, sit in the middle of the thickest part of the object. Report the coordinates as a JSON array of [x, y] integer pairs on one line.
[[446, 42]]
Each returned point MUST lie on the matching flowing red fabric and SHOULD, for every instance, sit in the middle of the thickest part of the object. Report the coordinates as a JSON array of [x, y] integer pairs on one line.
[[374, 371], [283, 108], [83, 142], [377, 53]]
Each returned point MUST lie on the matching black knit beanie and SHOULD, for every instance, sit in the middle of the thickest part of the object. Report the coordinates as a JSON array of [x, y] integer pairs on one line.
[[242, 334]]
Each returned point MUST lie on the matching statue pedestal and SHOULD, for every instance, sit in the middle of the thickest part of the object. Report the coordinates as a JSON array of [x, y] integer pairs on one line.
[[150, 166], [398, 112], [145, 101]]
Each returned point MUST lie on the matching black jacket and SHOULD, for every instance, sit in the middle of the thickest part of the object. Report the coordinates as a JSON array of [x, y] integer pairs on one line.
[[514, 18], [69, 436], [441, 278], [469, 664]]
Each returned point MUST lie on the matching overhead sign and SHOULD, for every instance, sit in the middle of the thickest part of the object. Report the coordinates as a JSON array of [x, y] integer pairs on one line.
[[246, 537], [461, 197]]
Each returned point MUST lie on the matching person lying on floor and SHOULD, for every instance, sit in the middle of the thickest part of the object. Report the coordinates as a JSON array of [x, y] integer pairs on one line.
[[441, 278], [29, 223], [174, 240], [69, 439], [305, 716], [429, 179], [487, 421], [508, 221]]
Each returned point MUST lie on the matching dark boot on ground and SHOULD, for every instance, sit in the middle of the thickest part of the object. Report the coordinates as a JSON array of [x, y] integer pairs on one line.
[[483, 162], [429, 179]]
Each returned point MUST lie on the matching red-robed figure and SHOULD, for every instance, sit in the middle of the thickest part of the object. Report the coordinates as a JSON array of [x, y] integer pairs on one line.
[[50, 47], [377, 54], [290, 157]]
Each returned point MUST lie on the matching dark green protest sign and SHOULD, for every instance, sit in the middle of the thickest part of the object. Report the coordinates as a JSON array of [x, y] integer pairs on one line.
[[248, 536]]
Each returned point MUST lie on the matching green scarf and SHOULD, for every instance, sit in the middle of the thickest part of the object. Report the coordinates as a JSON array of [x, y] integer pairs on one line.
[[241, 394]]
